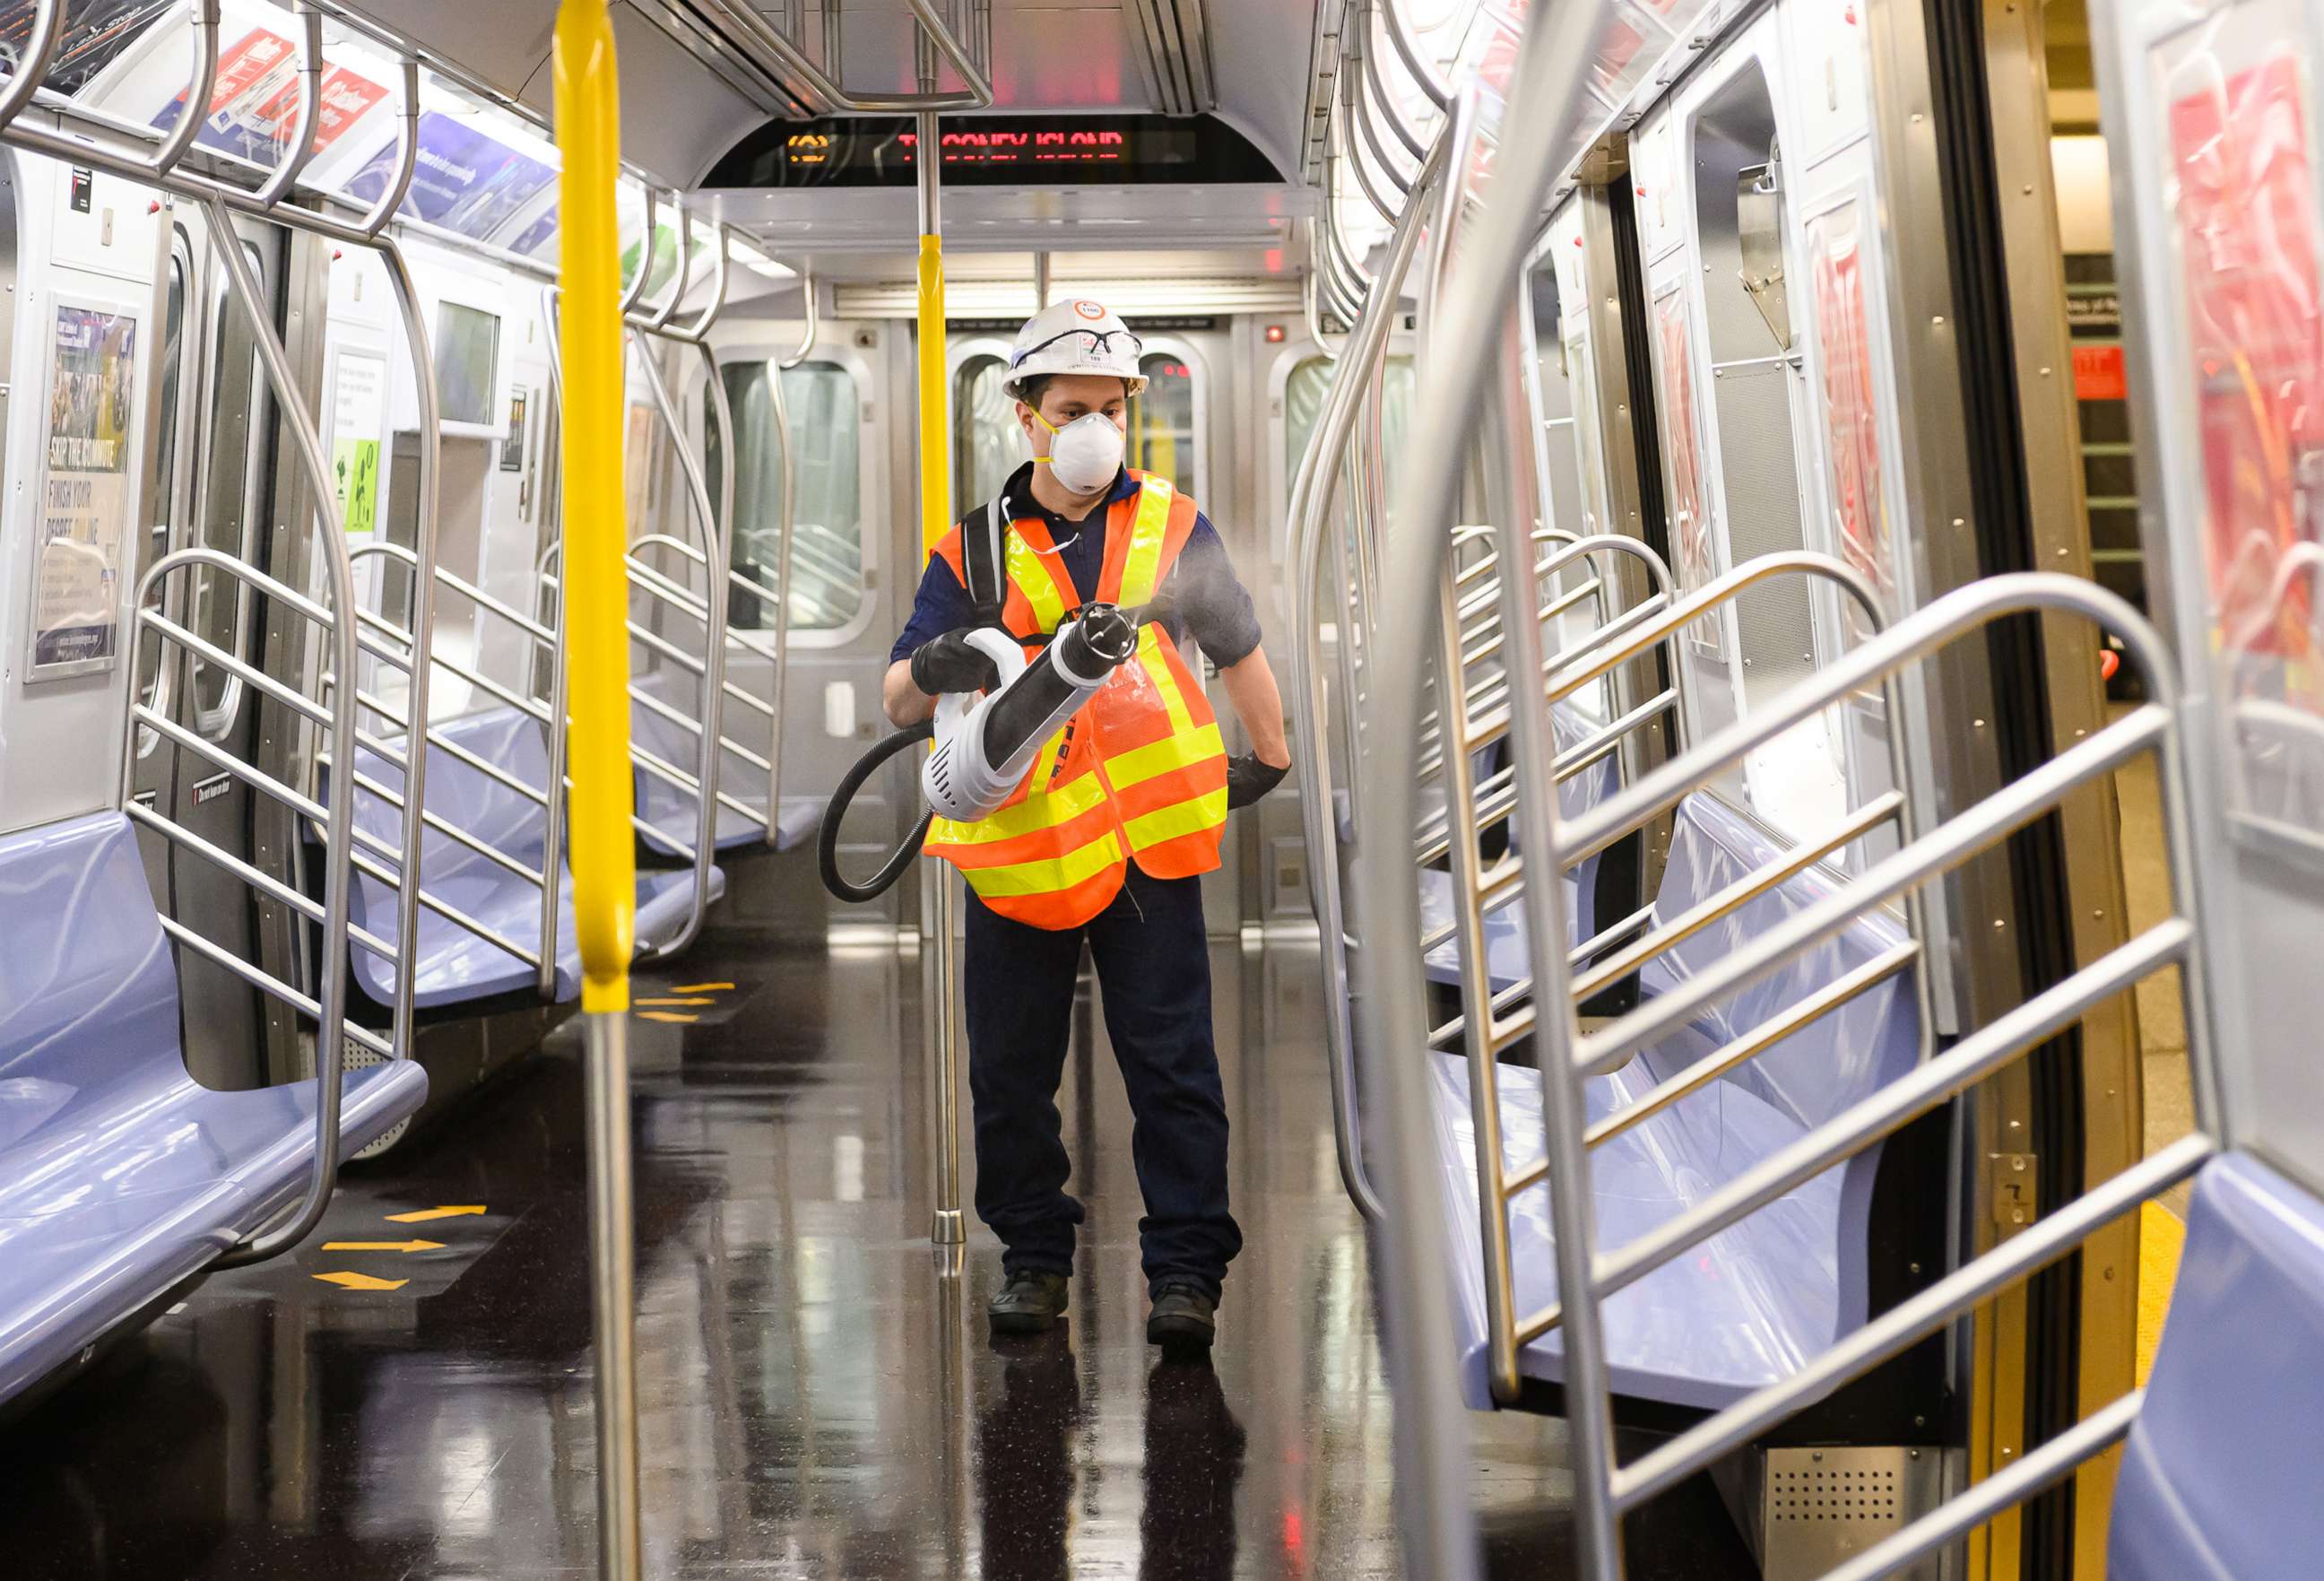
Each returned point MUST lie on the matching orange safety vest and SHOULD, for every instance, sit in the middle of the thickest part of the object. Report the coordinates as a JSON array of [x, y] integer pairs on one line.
[[1139, 773]]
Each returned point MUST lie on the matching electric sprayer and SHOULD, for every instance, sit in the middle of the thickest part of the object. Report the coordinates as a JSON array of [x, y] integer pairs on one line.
[[985, 743]]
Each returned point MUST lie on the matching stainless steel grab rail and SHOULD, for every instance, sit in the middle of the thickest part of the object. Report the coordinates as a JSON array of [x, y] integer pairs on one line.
[[1312, 498], [1431, 1439], [1407, 49], [301, 150], [826, 94]]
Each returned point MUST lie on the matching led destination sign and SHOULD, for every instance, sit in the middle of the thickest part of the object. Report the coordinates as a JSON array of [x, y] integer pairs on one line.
[[984, 151]]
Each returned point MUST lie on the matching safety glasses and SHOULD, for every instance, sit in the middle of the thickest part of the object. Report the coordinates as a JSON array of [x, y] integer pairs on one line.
[[1099, 340]]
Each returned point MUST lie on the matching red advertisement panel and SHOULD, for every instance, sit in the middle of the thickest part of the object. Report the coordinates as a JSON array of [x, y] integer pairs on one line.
[[2248, 236], [1852, 408], [253, 101], [1696, 555]]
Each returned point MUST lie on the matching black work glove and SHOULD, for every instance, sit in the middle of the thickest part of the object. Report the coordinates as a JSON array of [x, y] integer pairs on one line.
[[1248, 780], [951, 663]]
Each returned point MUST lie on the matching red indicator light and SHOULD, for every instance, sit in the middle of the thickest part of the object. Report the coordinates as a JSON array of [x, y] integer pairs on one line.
[[1274, 335]]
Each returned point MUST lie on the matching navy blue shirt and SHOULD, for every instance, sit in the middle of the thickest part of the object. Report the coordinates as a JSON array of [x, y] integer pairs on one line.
[[1212, 606]]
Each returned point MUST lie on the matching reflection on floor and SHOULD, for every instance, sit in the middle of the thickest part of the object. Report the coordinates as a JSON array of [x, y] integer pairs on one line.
[[817, 1400]]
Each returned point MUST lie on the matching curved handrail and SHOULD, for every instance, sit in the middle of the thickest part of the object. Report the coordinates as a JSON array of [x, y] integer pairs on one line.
[[1377, 100], [787, 524], [975, 94], [1936, 626], [806, 340], [1312, 493], [429, 486], [330, 1041], [1552, 62], [301, 150], [203, 17], [721, 280], [407, 154], [635, 291], [683, 278], [715, 652], [1432, 81], [1308, 293], [33, 64], [1346, 152]]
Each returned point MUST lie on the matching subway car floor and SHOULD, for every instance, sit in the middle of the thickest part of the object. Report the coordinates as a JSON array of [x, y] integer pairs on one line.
[[410, 1395]]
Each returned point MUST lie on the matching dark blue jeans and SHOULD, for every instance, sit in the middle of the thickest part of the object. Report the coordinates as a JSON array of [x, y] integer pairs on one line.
[[1153, 965]]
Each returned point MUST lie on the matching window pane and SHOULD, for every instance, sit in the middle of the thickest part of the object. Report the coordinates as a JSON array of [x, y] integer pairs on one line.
[[165, 415], [1303, 408], [229, 483], [467, 343], [1162, 422], [826, 588], [988, 445]]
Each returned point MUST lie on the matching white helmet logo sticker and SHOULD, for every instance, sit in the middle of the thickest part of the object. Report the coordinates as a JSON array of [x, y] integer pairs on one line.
[[1092, 311]]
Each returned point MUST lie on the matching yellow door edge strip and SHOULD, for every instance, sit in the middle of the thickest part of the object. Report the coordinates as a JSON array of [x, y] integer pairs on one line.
[[2161, 1240]]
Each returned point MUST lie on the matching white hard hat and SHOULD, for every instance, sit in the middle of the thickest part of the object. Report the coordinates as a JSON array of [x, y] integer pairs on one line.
[[1076, 335]]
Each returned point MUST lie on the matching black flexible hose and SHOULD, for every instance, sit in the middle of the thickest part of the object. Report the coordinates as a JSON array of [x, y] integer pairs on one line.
[[827, 840], [1113, 637]]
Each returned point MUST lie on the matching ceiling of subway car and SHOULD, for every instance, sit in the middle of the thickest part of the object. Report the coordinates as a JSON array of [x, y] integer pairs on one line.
[[693, 82]]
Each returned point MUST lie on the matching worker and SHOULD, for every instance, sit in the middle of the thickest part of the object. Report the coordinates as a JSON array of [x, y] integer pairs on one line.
[[1105, 840]]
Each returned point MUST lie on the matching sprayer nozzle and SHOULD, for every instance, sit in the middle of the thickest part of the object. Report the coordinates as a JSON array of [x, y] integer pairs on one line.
[[1109, 635]]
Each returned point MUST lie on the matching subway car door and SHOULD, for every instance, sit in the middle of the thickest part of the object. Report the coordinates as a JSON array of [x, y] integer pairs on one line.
[[225, 494], [841, 623]]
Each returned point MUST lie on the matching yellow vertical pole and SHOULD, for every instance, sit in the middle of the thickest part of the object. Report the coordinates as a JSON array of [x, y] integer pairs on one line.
[[596, 656], [949, 1229]]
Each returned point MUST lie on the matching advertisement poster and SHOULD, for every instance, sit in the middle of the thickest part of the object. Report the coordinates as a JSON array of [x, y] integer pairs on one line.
[[254, 105], [1851, 411], [464, 180], [513, 447], [1696, 555], [94, 32], [84, 531], [359, 418], [2249, 245]]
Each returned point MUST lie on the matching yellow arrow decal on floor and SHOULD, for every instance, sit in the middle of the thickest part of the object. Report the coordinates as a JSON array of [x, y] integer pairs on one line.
[[422, 1216], [703, 988], [382, 1245], [666, 1015], [362, 1282], [679, 1003]]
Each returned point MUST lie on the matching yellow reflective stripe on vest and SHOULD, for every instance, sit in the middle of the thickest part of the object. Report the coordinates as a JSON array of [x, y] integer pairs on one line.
[[1157, 671], [1034, 813], [1171, 823], [1033, 578], [1141, 764], [1141, 568], [1047, 875]]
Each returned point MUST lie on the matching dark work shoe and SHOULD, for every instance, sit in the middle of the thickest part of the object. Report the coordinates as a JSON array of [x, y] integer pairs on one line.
[[1182, 1316], [1032, 1302]]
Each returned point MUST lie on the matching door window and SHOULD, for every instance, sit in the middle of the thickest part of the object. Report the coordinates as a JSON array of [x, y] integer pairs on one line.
[[153, 677], [233, 490], [1162, 433], [828, 590]]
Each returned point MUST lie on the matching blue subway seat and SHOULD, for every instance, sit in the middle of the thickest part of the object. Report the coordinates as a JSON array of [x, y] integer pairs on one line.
[[120, 1177], [1751, 1305], [670, 810], [1506, 948], [455, 966], [2218, 1478]]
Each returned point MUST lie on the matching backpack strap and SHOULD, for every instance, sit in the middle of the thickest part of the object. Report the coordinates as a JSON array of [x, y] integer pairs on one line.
[[980, 555]]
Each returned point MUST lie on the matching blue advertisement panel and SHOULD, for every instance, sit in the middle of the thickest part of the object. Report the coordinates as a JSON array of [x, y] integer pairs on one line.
[[465, 179]]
